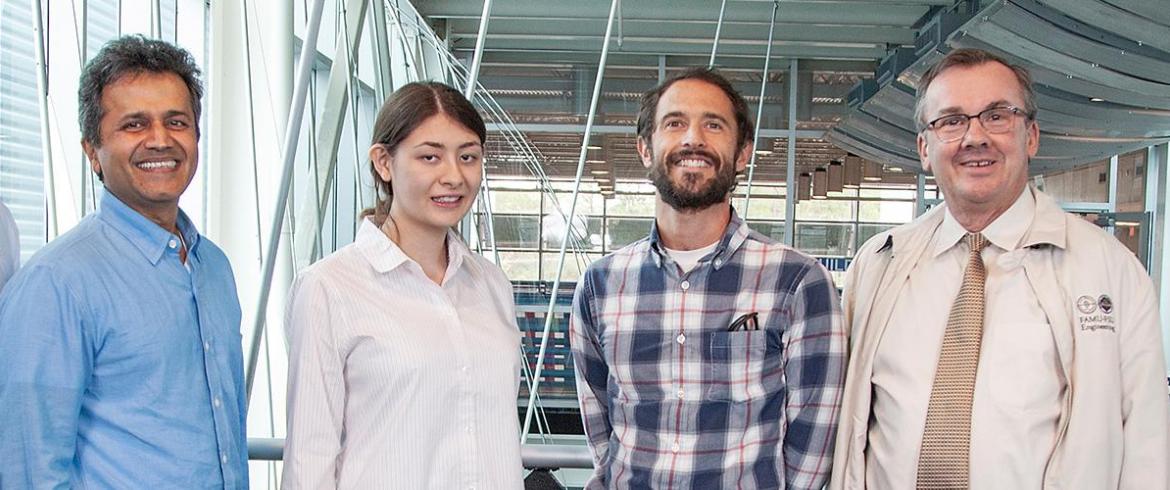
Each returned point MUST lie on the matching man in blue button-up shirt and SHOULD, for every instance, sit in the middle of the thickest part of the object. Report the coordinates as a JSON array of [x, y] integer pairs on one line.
[[119, 341]]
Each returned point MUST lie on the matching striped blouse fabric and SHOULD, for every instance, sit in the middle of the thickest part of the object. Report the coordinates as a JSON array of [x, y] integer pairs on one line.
[[397, 382]]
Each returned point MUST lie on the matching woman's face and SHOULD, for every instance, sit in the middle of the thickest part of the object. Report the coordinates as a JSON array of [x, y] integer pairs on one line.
[[435, 174]]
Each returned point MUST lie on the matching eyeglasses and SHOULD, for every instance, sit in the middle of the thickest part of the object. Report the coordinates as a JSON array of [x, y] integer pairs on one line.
[[952, 127]]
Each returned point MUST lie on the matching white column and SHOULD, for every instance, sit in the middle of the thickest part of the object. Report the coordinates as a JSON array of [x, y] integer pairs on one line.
[[240, 210], [1157, 176]]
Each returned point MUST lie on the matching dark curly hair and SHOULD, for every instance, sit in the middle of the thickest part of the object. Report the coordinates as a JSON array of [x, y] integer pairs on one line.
[[127, 56], [743, 121]]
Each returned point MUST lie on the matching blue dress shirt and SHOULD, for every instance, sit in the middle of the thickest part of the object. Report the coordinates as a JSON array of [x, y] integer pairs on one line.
[[121, 366]]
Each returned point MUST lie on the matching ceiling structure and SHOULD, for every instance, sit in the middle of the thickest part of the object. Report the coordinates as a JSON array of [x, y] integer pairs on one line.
[[858, 61]]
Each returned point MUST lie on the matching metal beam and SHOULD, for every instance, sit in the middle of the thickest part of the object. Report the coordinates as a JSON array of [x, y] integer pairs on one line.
[[485, 190], [531, 455], [288, 155], [747, 197], [790, 186], [382, 51], [477, 58], [736, 32], [856, 13], [42, 66], [1157, 187], [719, 29], [333, 112], [621, 129], [552, 303]]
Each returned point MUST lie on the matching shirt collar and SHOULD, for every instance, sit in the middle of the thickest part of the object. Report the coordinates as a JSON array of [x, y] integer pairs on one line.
[[733, 236], [1005, 232], [147, 236], [385, 255]]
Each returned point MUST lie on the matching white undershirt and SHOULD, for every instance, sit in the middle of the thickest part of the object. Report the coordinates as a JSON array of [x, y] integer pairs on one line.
[[688, 259], [1019, 386]]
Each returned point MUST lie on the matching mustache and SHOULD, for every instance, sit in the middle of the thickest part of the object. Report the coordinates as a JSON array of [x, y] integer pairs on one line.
[[684, 154], [154, 154]]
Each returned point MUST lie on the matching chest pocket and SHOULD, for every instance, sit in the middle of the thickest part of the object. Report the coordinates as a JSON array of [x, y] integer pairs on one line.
[[743, 365]]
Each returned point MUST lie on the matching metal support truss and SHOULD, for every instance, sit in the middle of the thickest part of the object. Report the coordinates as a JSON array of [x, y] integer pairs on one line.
[[747, 198], [549, 316], [288, 157]]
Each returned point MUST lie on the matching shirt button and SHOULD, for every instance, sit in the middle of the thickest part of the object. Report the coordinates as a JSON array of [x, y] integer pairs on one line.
[[217, 402], [223, 458], [468, 428], [207, 346], [674, 448], [682, 339], [173, 243], [464, 369], [718, 262], [685, 285], [681, 394]]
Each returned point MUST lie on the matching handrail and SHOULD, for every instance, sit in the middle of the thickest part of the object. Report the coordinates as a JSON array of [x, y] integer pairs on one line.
[[532, 455]]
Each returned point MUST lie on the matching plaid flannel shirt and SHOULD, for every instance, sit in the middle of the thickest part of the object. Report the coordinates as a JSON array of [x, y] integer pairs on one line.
[[671, 399]]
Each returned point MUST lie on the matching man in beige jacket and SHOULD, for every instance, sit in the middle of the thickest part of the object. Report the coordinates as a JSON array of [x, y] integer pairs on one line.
[[998, 342]]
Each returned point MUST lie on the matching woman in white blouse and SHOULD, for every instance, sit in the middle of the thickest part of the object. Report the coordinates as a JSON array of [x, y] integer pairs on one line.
[[404, 366]]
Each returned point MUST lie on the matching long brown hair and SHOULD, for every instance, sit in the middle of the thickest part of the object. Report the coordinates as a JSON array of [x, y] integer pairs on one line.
[[406, 109]]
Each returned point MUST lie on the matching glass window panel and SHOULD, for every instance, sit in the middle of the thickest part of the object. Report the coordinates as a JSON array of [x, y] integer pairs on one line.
[[575, 264], [639, 187], [631, 205], [520, 266], [512, 184], [885, 211], [886, 193], [763, 207], [624, 231], [824, 210], [1087, 183], [1131, 182], [517, 231], [515, 201], [588, 204], [867, 231], [587, 228], [758, 189], [838, 278], [825, 239], [771, 229]]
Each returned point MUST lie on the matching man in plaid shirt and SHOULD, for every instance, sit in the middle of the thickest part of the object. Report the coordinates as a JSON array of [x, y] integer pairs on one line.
[[707, 355]]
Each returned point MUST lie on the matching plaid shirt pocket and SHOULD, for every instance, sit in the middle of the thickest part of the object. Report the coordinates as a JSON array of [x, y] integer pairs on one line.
[[743, 365]]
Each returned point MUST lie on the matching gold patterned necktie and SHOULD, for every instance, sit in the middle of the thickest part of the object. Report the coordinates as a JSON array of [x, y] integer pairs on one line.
[[943, 461]]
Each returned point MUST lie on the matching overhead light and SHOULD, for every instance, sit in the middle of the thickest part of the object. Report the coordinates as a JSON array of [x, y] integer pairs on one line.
[[763, 152], [820, 183], [803, 183], [594, 161], [1096, 99], [599, 171], [870, 171], [593, 147], [836, 176], [894, 169]]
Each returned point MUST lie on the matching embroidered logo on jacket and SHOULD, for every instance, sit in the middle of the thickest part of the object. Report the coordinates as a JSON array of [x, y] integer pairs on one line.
[[1086, 304], [1096, 314]]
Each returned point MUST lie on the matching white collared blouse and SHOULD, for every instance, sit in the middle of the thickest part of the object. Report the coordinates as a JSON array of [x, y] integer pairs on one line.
[[398, 382]]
